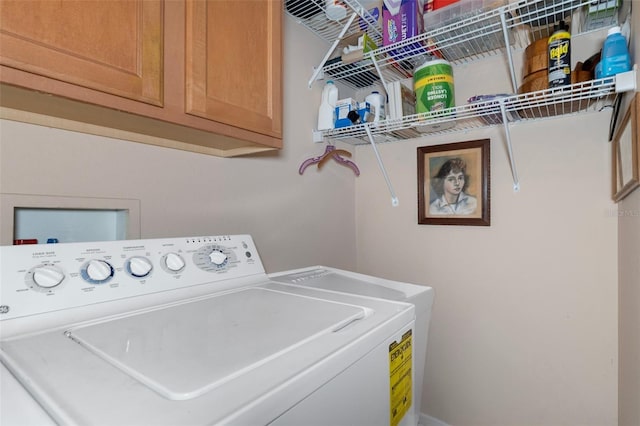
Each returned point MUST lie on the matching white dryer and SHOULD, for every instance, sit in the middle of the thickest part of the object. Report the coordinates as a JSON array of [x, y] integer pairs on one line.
[[191, 331], [342, 281]]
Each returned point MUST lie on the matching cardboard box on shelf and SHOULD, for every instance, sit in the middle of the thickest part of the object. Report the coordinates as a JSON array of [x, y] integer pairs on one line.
[[354, 47], [603, 13], [343, 108], [402, 100], [401, 20]]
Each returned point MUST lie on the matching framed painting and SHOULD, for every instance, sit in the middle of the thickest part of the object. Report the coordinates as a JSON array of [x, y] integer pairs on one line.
[[454, 184], [625, 155]]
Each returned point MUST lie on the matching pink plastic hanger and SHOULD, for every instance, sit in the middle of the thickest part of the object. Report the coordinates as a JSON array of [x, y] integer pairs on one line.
[[330, 152]]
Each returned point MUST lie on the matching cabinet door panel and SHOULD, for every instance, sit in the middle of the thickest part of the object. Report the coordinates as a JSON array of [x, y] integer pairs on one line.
[[234, 62], [112, 46]]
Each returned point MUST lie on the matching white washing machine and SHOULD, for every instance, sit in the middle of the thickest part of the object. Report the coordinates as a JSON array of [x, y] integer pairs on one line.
[[191, 331]]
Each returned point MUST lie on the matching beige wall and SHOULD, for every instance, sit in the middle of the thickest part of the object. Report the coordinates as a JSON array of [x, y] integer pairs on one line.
[[629, 316], [295, 220], [524, 326], [629, 291]]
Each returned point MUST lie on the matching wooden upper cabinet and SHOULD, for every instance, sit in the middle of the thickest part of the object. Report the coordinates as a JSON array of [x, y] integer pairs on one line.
[[204, 76], [233, 63], [113, 46]]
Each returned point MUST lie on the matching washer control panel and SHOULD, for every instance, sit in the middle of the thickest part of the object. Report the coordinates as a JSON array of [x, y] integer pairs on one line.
[[47, 277]]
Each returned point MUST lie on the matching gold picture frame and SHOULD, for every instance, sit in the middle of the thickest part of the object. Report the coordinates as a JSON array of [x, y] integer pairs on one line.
[[624, 153], [453, 184]]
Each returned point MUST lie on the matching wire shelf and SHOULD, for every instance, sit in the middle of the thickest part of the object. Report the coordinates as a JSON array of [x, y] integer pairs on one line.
[[593, 96], [310, 14], [464, 35], [469, 30]]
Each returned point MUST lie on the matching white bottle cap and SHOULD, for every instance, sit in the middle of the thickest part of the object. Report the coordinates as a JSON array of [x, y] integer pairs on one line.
[[613, 30]]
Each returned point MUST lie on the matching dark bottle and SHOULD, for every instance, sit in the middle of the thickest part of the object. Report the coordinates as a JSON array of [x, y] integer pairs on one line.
[[559, 50]]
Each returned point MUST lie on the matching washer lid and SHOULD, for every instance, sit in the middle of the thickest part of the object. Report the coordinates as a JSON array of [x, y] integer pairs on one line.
[[250, 354], [186, 350]]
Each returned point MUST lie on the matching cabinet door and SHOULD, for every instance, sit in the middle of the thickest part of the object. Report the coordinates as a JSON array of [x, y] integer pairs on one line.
[[234, 63], [112, 46]]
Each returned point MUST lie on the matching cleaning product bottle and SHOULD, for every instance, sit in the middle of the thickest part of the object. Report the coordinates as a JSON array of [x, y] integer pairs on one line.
[[559, 51], [615, 55], [327, 110], [376, 107]]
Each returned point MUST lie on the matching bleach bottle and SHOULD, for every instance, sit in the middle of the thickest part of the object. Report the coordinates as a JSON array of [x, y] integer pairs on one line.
[[327, 110], [375, 101], [615, 55]]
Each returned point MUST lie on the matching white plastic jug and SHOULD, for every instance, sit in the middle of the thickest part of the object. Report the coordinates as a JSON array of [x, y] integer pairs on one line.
[[327, 110], [376, 106]]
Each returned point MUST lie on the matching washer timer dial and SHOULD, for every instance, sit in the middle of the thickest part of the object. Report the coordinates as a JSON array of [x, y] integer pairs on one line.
[[218, 257], [213, 258]]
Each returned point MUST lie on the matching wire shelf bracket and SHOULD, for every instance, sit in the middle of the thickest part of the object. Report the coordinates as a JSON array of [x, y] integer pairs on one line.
[[331, 49], [505, 34], [512, 162], [394, 199]]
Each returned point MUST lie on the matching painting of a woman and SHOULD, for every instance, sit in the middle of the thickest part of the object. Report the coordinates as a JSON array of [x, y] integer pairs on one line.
[[451, 183], [454, 184]]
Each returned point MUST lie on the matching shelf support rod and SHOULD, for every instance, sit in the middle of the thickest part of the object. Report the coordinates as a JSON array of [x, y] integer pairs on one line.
[[512, 162], [331, 49], [382, 80], [505, 34], [394, 199]]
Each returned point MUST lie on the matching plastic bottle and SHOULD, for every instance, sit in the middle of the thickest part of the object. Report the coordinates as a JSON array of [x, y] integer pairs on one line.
[[327, 110], [615, 54], [559, 51], [376, 106], [335, 10]]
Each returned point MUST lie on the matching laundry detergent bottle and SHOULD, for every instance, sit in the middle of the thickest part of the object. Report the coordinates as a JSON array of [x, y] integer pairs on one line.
[[615, 55], [327, 110]]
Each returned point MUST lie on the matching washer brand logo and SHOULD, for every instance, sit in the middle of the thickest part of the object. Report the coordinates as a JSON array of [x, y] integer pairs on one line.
[[4, 309]]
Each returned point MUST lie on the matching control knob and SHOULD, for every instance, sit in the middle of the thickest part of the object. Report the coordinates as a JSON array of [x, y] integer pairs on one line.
[[218, 258], [139, 266], [98, 271], [174, 262], [47, 276]]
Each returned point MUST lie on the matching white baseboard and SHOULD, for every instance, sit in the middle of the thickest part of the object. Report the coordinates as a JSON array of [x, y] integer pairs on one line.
[[426, 420]]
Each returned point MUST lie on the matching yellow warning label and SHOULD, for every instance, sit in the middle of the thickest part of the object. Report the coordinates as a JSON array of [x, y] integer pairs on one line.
[[400, 366]]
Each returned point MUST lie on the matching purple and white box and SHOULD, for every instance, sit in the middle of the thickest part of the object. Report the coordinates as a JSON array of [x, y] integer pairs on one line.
[[401, 20]]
